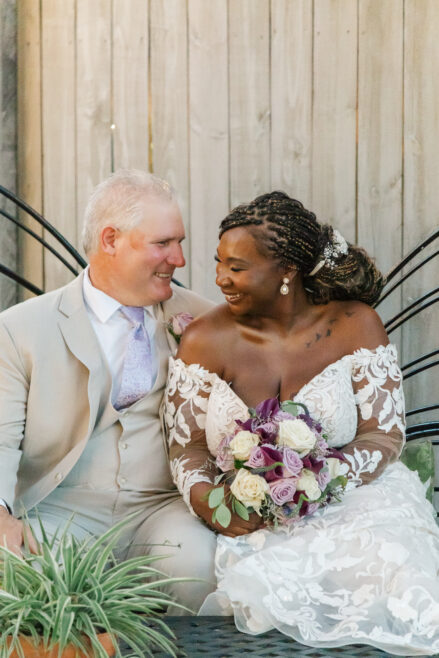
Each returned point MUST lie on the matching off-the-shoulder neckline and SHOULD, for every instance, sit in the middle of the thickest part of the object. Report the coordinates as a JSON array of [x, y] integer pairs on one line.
[[361, 351]]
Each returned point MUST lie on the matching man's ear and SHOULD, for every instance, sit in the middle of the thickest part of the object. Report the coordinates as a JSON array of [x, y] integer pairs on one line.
[[109, 235]]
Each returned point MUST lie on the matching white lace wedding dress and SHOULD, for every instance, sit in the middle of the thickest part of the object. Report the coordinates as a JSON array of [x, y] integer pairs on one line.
[[364, 570]]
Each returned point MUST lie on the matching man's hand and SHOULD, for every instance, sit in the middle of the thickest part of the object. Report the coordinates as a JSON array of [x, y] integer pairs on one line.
[[237, 525], [12, 533]]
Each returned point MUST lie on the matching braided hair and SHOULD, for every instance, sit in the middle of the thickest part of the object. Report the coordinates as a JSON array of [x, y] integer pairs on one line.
[[290, 233]]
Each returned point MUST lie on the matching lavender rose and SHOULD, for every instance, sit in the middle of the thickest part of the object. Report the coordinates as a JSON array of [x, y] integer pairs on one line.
[[256, 459], [292, 461], [282, 491]]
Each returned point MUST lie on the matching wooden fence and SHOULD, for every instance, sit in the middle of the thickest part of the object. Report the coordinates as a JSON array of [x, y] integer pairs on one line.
[[334, 101]]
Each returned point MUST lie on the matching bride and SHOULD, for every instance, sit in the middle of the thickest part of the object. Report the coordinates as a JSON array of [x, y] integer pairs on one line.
[[297, 324]]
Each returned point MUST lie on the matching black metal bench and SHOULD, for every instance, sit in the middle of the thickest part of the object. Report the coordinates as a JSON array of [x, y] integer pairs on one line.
[[217, 637]]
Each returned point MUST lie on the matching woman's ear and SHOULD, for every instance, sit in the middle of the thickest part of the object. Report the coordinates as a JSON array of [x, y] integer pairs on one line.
[[291, 272]]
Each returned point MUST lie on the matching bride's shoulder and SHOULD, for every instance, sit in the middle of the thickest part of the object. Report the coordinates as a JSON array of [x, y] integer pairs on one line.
[[206, 338], [359, 326]]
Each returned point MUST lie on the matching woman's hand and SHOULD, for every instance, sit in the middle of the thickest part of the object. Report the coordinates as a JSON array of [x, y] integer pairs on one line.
[[237, 525]]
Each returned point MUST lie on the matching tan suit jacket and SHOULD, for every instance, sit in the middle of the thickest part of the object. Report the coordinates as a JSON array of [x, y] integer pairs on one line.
[[53, 383]]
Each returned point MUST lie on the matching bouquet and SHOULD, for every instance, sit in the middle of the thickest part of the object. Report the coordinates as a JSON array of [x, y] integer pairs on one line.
[[278, 464]]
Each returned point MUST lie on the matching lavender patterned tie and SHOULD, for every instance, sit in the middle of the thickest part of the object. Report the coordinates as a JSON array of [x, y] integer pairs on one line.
[[137, 366]]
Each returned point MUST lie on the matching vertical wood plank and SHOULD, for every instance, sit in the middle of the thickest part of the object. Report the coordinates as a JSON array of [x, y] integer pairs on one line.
[[249, 80], [130, 84], [93, 99], [380, 115], [29, 153], [169, 99], [421, 176], [291, 97], [8, 145], [380, 130], [334, 114], [58, 131], [209, 148]]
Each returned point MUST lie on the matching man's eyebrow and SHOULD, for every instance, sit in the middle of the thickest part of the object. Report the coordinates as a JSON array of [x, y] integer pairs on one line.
[[168, 238]]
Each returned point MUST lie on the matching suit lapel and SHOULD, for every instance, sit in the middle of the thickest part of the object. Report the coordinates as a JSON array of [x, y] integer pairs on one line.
[[82, 342], [163, 315]]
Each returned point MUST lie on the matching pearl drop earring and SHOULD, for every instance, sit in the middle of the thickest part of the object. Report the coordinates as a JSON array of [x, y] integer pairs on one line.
[[284, 290]]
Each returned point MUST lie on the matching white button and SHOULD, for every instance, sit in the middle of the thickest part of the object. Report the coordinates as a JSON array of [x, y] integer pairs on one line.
[[58, 477], [124, 446], [122, 481]]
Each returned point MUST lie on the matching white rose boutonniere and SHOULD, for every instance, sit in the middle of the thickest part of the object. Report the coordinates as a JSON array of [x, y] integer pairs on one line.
[[297, 435]]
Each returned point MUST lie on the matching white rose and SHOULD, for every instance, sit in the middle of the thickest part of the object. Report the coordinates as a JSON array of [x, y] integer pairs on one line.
[[333, 467], [249, 489], [308, 483], [242, 443], [296, 434]]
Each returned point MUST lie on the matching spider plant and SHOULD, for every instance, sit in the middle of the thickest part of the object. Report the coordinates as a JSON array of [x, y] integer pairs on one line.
[[73, 590]]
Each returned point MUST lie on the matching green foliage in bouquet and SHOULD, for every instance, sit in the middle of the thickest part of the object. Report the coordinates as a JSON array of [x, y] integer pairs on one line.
[[73, 590]]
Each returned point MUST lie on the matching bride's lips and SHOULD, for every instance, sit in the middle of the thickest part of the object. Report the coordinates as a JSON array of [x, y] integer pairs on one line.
[[232, 298]]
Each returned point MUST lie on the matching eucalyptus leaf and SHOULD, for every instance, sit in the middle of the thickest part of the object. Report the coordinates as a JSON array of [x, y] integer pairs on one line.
[[216, 496], [223, 515], [218, 478], [241, 510]]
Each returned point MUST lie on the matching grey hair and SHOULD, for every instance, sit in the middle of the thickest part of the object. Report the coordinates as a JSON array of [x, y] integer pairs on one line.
[[119, 201]]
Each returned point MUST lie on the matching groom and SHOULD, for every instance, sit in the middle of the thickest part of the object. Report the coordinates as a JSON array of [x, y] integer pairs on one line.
[[82, 374]]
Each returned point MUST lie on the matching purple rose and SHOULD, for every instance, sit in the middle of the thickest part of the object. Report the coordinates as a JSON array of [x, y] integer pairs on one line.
[[292, 461], [224, 459], [256, 459], [282, 491]]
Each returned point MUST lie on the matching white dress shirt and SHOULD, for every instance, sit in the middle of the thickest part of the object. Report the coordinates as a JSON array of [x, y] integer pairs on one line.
[[113, 329]]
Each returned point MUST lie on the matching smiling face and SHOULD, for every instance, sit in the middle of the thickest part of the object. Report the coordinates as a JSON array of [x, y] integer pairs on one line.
[[249, 279], [136, 266]]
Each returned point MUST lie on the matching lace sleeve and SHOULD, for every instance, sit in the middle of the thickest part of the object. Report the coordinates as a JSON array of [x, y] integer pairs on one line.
[[377, 384], [185, 406]]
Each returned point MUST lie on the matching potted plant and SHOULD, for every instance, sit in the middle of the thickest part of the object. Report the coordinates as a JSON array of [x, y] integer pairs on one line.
[[74, 597]]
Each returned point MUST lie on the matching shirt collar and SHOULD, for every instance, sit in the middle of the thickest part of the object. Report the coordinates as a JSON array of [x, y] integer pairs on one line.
[[102, 305]]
